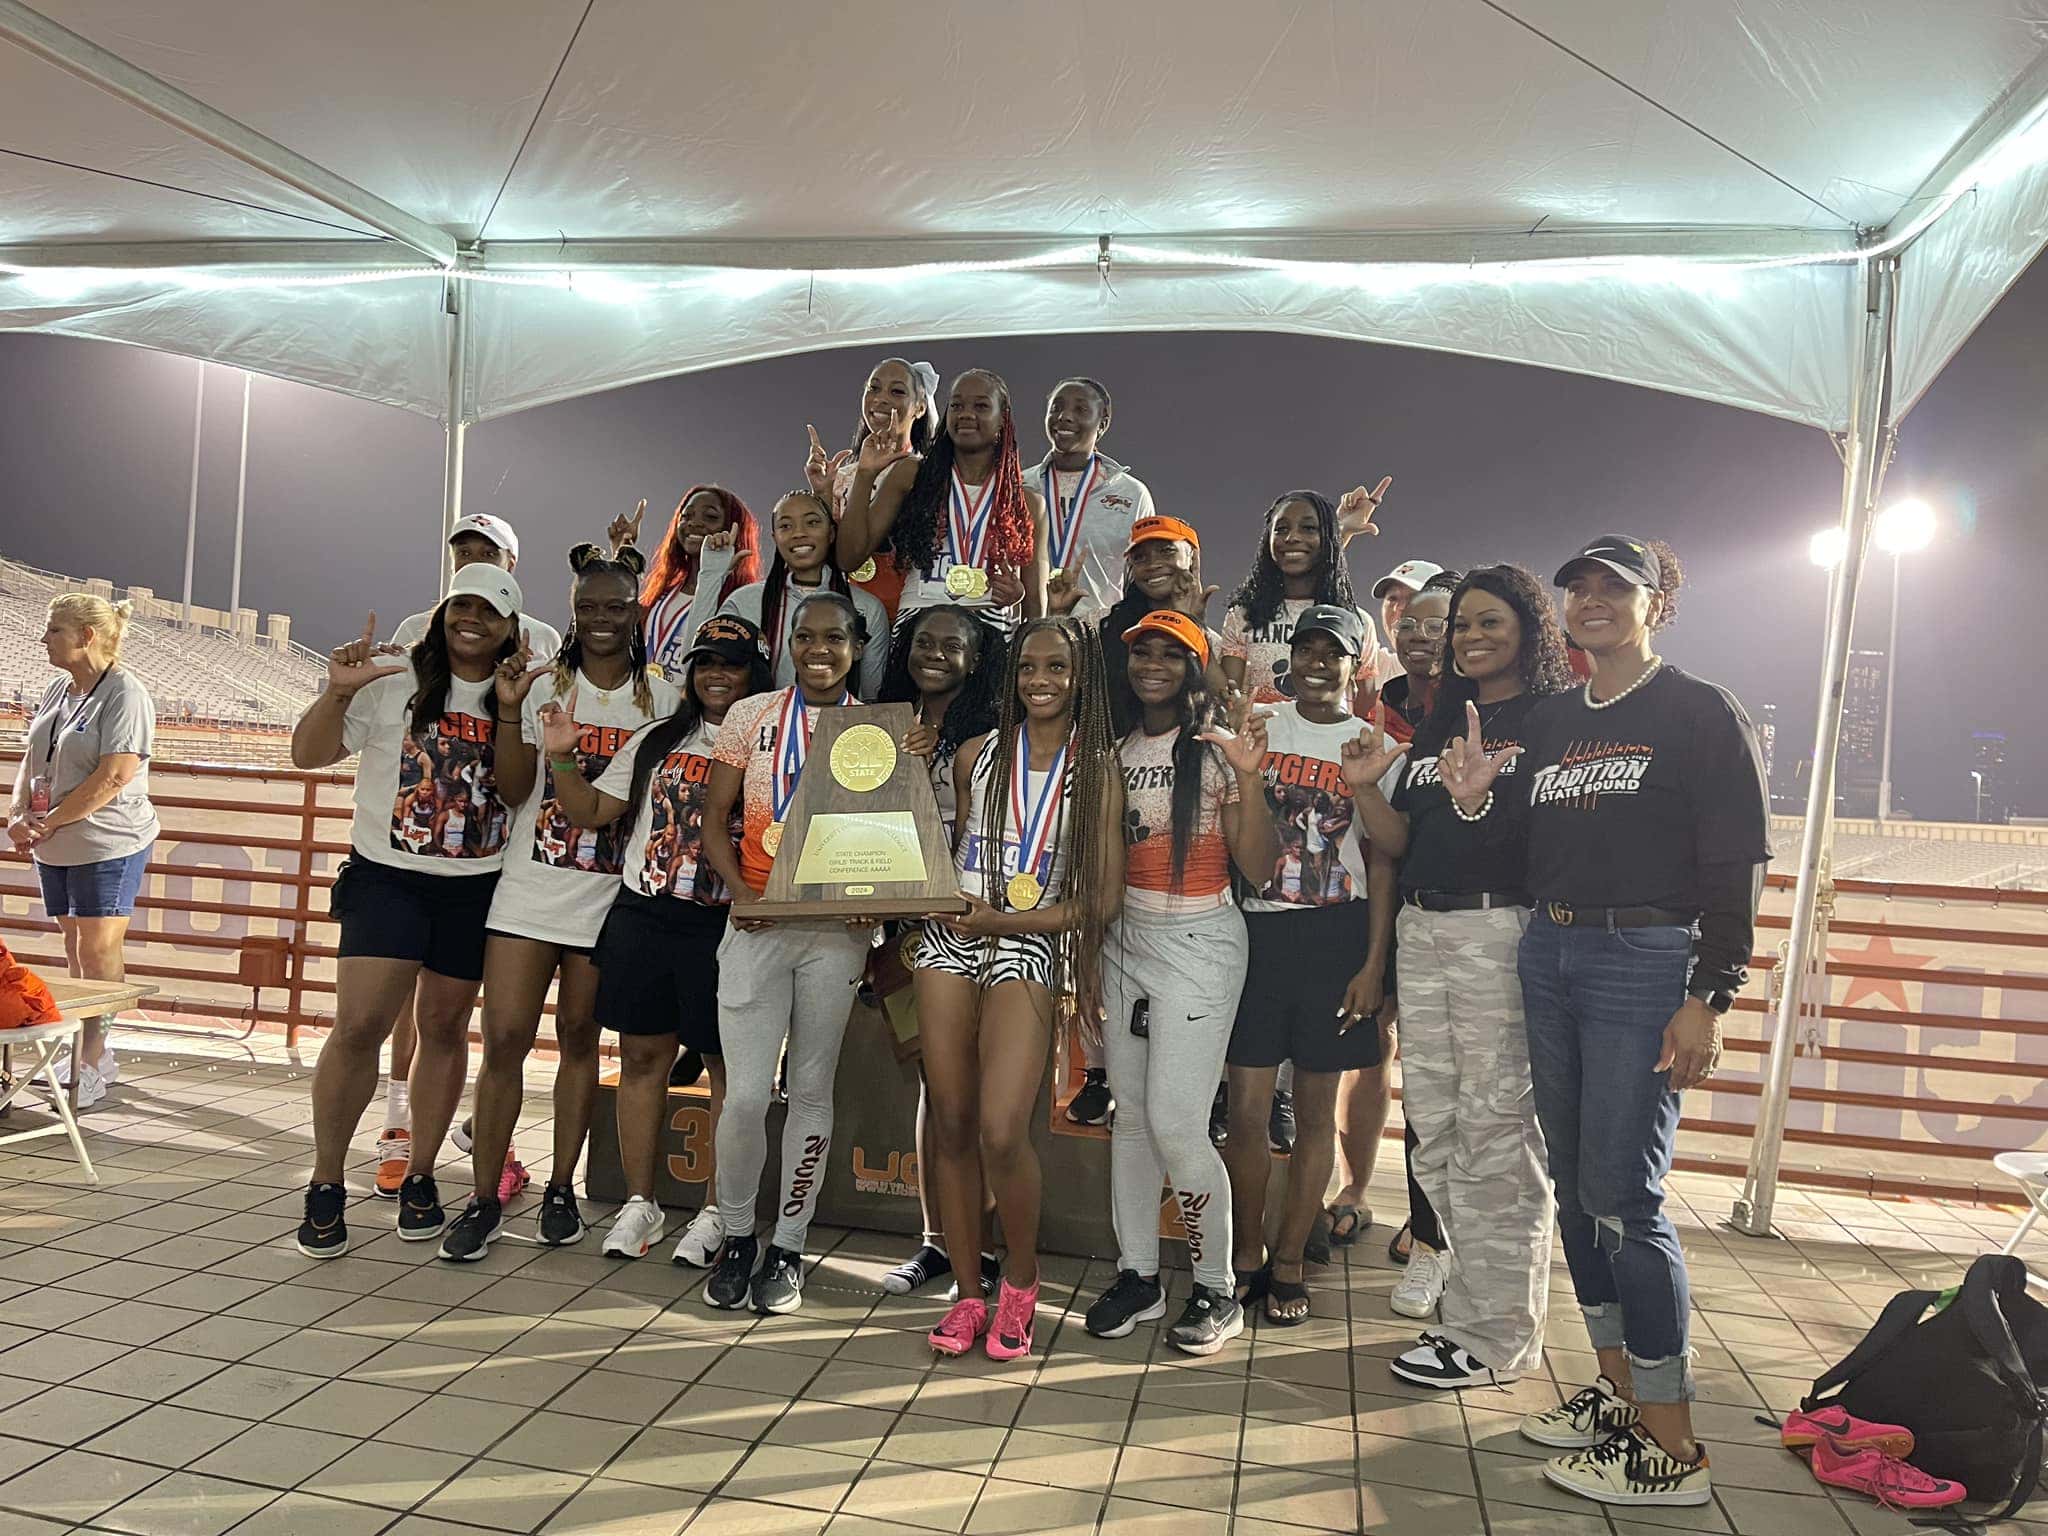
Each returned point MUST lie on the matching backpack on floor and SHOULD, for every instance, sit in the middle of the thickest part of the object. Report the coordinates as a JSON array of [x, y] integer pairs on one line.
[[1962, 1379]]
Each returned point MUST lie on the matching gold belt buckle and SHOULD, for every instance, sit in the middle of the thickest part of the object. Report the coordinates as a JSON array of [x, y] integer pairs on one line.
[[1562, 915]]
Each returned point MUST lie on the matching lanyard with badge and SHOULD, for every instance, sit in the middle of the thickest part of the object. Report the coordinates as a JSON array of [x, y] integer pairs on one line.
[[39, 786]]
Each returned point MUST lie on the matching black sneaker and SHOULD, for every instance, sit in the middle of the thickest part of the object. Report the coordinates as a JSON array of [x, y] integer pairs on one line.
[[469, 1235], [420, 1216], [1280, 1122], [688, 1068], [917, 1271], [1437, 1362], [1219, 1116], [1210, 1320], [727, 1287], [1130, 1300], [560, 1222], [780, 1285], [324, 1234], [991, 1278], [1092, 1105]]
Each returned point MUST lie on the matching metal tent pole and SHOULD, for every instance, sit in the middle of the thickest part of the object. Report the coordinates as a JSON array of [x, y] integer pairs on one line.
[[1891, 678], [241, 505], [192, 501], [456, 424], [1865, 454]]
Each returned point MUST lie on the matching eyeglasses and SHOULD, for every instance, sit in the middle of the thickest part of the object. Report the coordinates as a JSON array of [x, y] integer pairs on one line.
[[1431, 629]]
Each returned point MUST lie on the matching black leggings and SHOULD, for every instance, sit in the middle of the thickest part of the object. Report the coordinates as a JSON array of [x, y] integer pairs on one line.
[[1422, 1220]]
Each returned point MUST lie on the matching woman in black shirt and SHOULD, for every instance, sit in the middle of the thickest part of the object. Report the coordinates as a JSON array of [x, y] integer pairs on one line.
[[1465, 1054], [1648, 834]]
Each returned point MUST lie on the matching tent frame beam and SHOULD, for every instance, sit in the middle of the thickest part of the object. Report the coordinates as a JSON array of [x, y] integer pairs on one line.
[[37, 34], [1866, 451]]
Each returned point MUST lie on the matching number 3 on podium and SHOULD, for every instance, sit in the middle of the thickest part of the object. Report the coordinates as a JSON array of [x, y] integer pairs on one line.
[[690, 1163]]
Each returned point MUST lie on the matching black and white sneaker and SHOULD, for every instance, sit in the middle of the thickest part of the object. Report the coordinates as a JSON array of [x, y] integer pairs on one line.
[[1589, 1418], [1280, 1121], [728, 1285], [991, 1277], [689, 1067], [469, 1235], [917, 1271], [1210, 1320], [561, 1223], [1092, 1105], [1219, 1116], [1437, 1362], [1631, 1468], [420, 1217], [1130, 1300], [324, 1232], [780, 1285]]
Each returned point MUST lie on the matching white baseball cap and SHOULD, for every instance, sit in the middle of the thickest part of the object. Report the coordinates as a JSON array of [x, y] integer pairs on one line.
[[1412, 574], [494, 586], [497, 530]]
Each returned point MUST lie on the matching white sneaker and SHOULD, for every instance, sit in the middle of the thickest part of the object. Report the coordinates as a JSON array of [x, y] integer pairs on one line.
[[638, 1229], [1421, 1285], [91, 1087], [701, 1239], [460, 1134], [110, 1069], [1437, 1362], [1631, 1468]]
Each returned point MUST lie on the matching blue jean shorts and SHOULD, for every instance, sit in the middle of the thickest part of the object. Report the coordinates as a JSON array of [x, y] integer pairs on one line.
[[105, 889]]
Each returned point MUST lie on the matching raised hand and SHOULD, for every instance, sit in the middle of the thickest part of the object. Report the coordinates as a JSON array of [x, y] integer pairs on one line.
[[820, 470], [1365, 762], [1063, 592], [1244, 742], [723, 540], [878, 450], [354, 666], [558, 730], [1190, 596], [1005, 586], [625, 530], [1468, 769], [515, 680], [1356, 507]]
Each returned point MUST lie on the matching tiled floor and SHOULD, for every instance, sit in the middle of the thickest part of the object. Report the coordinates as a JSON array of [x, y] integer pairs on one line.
[[170, 1364]]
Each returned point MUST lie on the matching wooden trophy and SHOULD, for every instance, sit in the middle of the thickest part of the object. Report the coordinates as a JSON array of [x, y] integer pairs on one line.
[[862, 839]]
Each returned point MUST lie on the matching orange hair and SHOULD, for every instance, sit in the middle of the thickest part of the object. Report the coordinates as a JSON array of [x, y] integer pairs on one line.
[[671, 566]]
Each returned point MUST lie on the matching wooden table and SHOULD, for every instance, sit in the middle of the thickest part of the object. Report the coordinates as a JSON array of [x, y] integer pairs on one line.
[[78, 1000]]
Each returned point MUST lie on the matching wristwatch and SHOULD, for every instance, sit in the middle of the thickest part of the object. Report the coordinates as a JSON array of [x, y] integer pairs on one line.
[[1717, 998]]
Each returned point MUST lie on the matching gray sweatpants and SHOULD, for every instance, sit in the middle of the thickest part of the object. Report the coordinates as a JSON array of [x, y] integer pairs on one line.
[[795, 980], [1465, 1090], [1191, 968]]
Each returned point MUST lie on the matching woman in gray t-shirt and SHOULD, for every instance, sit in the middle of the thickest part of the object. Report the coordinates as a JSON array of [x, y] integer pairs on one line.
[[81, 806]]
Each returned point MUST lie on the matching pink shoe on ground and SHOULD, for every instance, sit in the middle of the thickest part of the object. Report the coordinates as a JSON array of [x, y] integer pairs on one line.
[[959, 1328], [1016, 1312], [1804, 1430], [1887, 1479], [513, 1179]]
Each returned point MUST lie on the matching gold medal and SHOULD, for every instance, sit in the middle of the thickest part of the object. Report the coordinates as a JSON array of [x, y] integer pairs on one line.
[[771, 840], [1055, 573], [1024, 891], [863, 758], [865, 572], [960, 580]]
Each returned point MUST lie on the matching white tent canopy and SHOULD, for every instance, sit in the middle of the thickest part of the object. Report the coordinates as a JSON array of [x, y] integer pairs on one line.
[[1670, 194], [1798, 207]]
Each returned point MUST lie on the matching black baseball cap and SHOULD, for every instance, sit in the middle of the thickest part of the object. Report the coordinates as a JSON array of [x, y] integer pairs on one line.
[[1340, 623], [726, 637], [1630, 559]]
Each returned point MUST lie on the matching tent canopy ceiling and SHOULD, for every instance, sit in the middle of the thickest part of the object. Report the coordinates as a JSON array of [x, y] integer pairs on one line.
[[1668, 193]]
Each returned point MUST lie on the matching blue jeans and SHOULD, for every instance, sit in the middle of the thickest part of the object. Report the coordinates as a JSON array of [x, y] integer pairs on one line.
[[1597, 1000]]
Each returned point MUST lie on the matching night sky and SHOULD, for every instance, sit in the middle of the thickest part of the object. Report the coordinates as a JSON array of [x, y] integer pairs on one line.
[[1490, 461]]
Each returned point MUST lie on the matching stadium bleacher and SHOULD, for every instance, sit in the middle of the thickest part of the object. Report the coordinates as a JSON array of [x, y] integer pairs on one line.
[[219, 695]]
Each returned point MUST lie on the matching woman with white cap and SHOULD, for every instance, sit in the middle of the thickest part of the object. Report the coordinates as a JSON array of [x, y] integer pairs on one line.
[[412, 910]]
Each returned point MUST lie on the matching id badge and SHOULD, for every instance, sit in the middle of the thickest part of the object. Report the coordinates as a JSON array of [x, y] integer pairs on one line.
[[39, 794]]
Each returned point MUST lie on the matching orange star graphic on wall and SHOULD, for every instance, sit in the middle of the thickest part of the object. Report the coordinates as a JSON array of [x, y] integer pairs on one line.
[[1878, 949]]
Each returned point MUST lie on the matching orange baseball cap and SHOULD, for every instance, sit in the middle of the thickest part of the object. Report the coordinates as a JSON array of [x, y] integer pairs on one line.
[[1145, 529], [1174, 625]]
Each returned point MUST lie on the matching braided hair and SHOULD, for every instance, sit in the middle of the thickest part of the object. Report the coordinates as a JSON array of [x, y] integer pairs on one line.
[[775, 586], [974, 709], [1541, 659], [1091, 759], [1265, 589], [918, 534], [592, 564], [672, 563]]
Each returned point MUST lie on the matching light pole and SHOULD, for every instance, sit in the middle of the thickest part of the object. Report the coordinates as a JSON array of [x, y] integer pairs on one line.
[[1901, 528]]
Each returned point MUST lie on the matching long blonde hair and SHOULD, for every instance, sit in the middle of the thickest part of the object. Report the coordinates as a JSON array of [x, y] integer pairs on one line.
[[107, 621]]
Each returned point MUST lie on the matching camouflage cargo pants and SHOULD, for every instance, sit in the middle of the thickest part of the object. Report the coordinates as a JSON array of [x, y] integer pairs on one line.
[[1465, 1089]]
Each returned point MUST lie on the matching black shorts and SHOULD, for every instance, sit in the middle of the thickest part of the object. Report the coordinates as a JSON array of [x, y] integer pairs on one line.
[[1301, 962], [657, 969], [401, 914]]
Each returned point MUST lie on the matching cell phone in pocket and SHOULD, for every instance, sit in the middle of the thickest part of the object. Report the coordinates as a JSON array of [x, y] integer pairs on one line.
[[1141, 1018]]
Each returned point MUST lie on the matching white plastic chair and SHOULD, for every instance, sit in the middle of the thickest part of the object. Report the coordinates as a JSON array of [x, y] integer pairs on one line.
[[45, 1044], [2029, 1170]]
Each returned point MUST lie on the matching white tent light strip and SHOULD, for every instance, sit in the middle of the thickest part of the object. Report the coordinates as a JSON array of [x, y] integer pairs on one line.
[[1796, 207]]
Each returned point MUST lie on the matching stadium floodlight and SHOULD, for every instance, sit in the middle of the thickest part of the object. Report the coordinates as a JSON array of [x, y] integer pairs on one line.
[[1826, 548], [1905, 526]]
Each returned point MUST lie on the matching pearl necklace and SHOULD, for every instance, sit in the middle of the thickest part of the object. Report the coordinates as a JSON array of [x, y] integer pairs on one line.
[[1656, 665]]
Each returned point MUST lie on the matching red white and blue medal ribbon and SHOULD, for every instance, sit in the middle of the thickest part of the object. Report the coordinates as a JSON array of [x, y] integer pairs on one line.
[[792, 746], [1034, 821], [1065, 515], [671, 613], [967, 526]]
